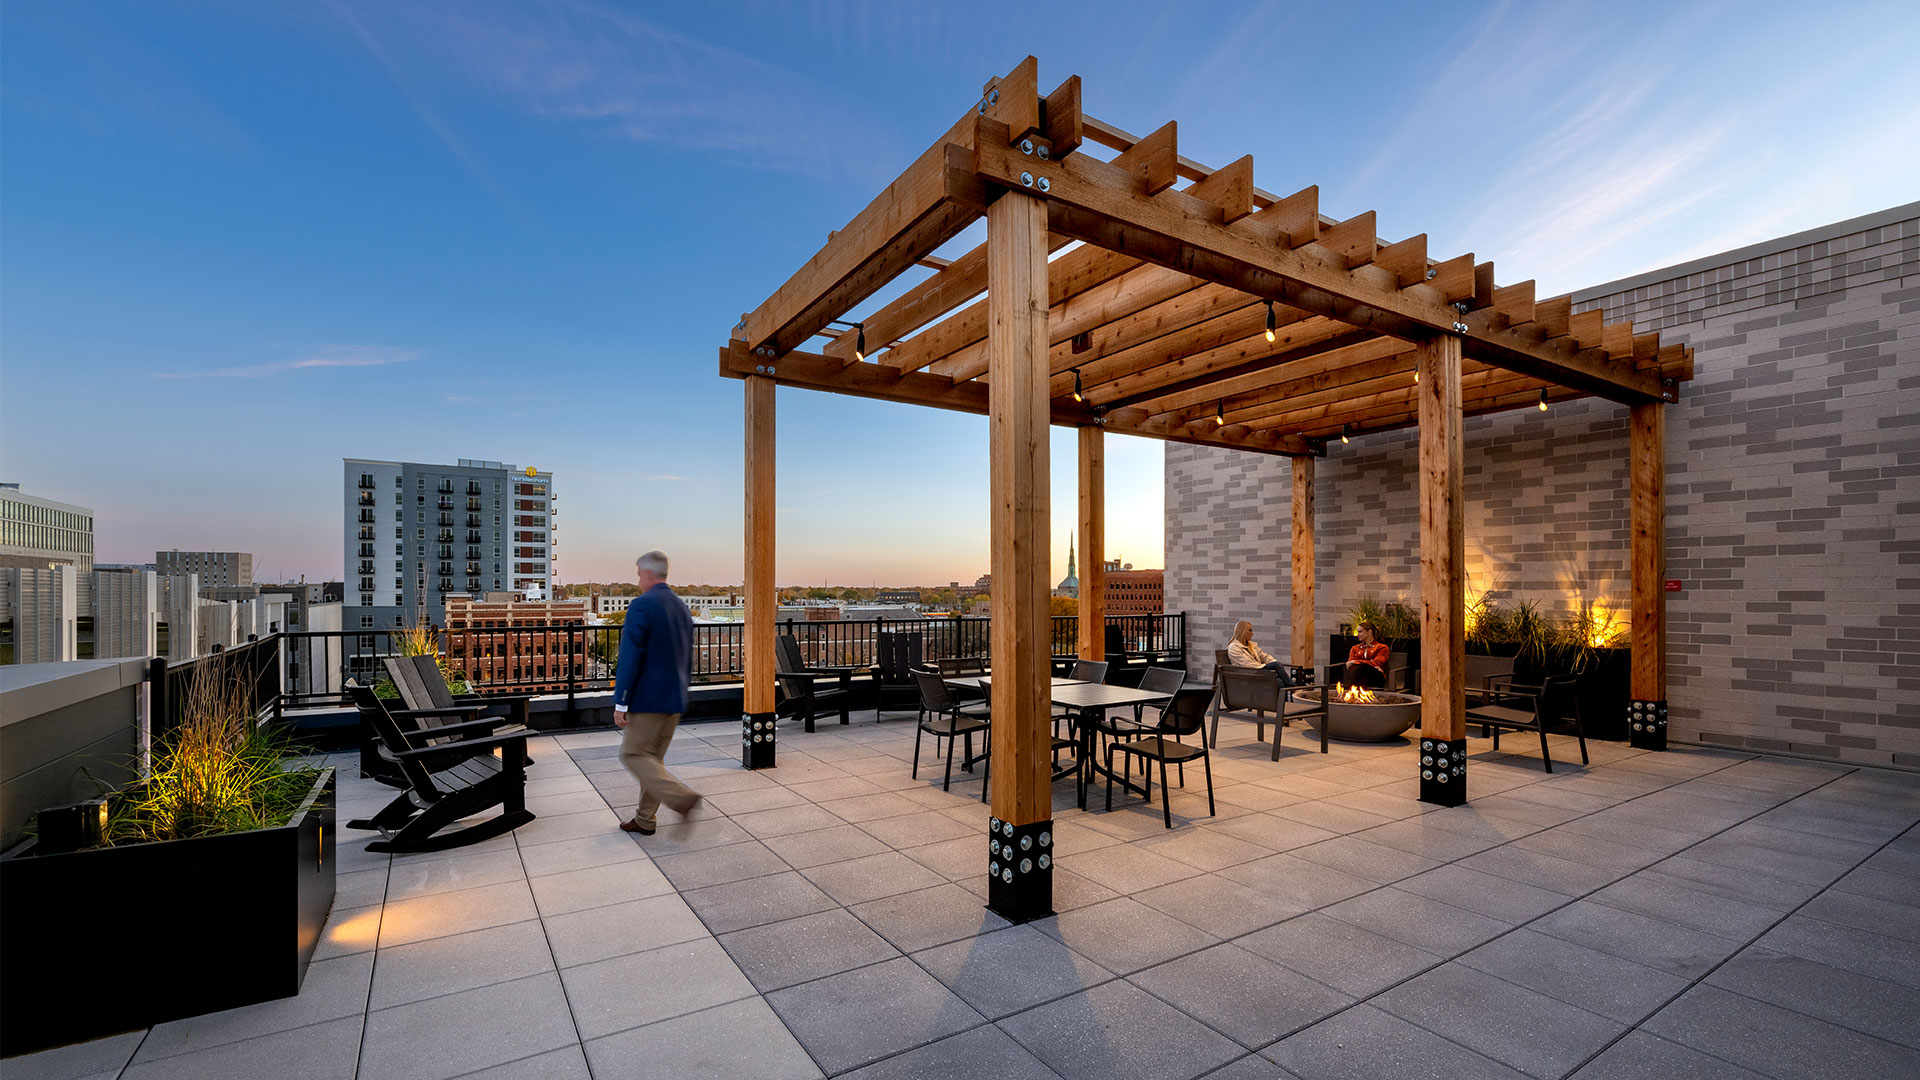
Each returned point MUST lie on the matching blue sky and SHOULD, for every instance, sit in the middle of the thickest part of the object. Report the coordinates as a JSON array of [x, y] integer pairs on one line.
[[240, 241]]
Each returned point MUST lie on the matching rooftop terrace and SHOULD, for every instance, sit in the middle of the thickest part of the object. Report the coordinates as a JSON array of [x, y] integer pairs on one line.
[[1687, 913]]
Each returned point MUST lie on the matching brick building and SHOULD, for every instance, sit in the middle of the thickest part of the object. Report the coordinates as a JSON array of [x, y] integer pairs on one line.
[[1135, 592], [1791, 510], [522, 662]]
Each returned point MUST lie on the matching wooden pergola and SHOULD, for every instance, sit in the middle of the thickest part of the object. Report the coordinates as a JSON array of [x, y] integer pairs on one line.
[[1210, 312]]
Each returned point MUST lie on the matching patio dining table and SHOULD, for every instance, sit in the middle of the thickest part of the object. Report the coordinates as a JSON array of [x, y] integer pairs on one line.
[[1088, 697]]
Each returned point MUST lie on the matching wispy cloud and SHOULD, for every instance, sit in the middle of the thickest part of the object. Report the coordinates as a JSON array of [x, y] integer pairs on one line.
[[663, 476], [614, 72], [323, 356]]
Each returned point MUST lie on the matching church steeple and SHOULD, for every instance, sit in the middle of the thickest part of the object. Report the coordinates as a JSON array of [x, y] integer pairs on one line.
[[1069, 585]]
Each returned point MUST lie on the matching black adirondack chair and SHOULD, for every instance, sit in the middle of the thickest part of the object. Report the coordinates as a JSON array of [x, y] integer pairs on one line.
[[451, 773], [804, 689], [893, 686], [422, 712]]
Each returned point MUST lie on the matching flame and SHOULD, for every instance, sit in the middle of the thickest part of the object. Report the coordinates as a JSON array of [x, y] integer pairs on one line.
[[1354, 695]]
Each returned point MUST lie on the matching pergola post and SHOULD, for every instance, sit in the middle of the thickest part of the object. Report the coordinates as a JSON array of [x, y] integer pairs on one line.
[[1302, 549], [1647, 714], [1443, 542], [1093, 543], [1020, 847], [756, 735]]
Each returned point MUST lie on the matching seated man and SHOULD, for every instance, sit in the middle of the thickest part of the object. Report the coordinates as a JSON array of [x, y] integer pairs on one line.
[[1242, 652], [1367, 661]]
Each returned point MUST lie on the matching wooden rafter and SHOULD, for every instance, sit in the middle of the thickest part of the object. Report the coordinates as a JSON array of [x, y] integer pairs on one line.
[[1159, 318]]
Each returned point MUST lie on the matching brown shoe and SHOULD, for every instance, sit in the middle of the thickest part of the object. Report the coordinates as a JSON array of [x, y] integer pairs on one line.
[[634, 826]]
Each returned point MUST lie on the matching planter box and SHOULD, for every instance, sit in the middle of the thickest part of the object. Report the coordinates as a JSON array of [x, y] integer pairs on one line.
[[114, 939]]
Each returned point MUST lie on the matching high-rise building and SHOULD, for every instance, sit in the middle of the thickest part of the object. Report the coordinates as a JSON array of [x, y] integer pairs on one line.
[[217, 569], [36, 533], [416, 534]]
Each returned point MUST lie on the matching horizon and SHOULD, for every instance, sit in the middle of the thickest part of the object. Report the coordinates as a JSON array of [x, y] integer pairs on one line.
[[268, 239]]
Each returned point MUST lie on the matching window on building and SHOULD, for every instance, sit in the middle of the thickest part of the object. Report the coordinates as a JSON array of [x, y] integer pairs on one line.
[[366, 620], [398, 482]]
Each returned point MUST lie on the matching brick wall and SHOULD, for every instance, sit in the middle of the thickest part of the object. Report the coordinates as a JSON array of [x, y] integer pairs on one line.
[[1793, 508]]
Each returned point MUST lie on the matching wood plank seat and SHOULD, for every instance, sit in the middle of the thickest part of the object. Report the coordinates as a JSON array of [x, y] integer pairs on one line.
[[425, 709], [808, 692], [451, 774]]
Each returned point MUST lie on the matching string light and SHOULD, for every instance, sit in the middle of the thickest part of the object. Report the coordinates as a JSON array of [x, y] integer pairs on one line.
[[1220, 413], [1270, 322], [1077, 395], [1543, 399], [859, 341], [1343, 433]]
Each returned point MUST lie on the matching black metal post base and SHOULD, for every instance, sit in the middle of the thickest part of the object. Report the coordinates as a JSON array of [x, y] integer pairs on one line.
[[1647, 725], [1443, 772], [1020, 870], [756, 741]]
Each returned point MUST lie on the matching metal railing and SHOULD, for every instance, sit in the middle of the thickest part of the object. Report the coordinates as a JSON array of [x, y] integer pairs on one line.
[[576, 658], [257, 668]]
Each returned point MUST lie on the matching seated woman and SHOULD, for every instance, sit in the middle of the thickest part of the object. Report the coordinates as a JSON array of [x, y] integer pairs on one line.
[[1242, 652], [1367, 661]]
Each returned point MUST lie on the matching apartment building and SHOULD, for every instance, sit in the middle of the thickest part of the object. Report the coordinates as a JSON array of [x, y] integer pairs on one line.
[[217, 569], [415, 535]]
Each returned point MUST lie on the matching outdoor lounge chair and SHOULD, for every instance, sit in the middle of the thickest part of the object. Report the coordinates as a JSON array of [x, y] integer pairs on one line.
[[447, 780], [425, 709], [943, 717], [808, 692], [1528, 708], [893, 686], [1185, 715]]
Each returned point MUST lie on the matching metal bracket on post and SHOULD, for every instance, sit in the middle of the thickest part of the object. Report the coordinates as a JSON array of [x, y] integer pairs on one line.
[[756, 741], [1443, 771], [1020, 870], [1647, 725]]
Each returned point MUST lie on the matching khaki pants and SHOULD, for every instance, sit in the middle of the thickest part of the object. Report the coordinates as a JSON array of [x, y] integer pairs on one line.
[[643, 746]]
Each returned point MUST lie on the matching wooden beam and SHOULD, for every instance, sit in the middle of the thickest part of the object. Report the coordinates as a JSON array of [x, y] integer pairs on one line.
[[1443, 561], [1093, 543], [816, 372], [1013, 99], [1303, 570], [1022, 777], [1230, 188], [1352, 242], [962, 280], [1648, 499], [1106, 206], [1406, 260], [1069, 275], [1301, 382], [1060, 113], [1249, 354], [908, 220], [758, 634], [1154, 160]]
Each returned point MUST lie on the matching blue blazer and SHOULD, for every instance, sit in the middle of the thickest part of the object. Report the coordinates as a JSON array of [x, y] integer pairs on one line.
[[656, 654]]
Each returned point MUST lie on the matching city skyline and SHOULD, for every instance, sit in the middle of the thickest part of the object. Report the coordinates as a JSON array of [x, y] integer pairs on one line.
[[274, 238]]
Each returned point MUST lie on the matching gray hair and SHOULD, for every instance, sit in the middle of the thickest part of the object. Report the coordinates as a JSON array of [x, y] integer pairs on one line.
[[653, 562]]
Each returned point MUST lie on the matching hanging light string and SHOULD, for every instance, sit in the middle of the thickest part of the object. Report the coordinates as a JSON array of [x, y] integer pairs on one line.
[[859, 337], [1543, 399], [1270, 322], [1077, 395]]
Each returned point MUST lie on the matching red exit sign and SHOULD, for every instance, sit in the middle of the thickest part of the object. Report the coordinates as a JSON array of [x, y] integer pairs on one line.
[[1673, 584]]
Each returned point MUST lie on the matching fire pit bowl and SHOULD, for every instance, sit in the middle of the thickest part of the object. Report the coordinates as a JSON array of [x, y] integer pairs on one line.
[[1382, 719]]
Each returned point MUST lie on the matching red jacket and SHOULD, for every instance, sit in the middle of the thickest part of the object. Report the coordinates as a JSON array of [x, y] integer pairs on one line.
[[1375, 654]]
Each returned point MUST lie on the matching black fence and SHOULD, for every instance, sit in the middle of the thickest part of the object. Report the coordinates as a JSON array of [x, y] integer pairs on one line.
[[577, 658], [254, 668]]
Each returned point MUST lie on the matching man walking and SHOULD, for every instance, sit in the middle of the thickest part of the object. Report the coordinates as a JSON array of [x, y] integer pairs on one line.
[[650, 691]]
